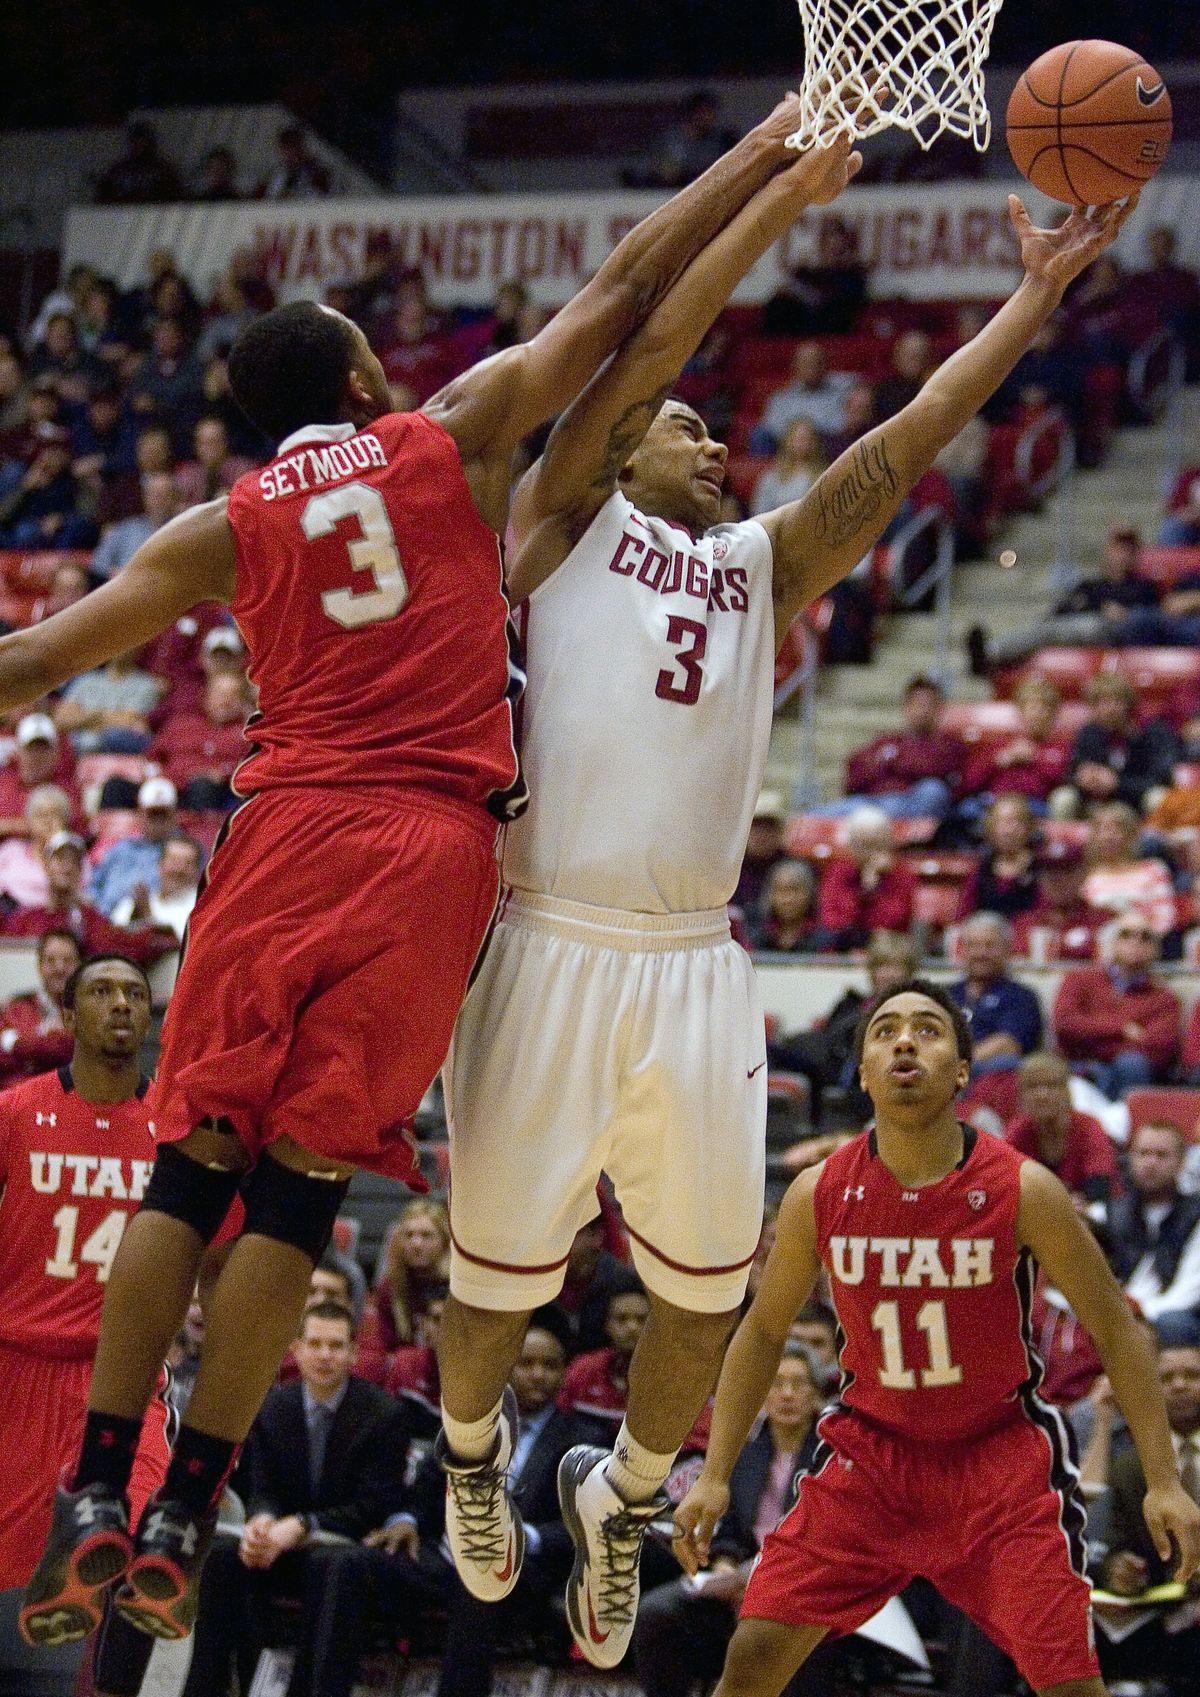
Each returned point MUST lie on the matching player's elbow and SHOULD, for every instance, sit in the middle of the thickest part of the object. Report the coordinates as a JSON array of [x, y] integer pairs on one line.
[[23, 677]]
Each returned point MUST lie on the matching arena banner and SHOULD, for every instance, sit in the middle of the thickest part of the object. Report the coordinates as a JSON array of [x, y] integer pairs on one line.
[[950, 239]]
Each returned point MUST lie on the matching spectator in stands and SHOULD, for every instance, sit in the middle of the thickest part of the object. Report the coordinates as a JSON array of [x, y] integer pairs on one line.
[[14, 397], [474, 1629], [908, 774], [65, 909], [38, 758], [869, 889], [69, 583], [121, 495], [764, 850], [1048, 1129], [825, 1055], [592, 1273], [217, 177], [60, 356], [1006, 1017], [798, 462], [326, 1455], [1062, 924], [43, 509], [597, 1382], [169, 385], [411, 1372], [170, 906], [139, 175], [1116, 1023], [42, 405], [103, 439], [23, 878], [814, 394], [213, 470], [103, 328], [1154, 1231], [1005, 878], [912, 362], [683, 1628], [1181, 529], [1118, 879], [1029, 762], [1164, 1649], [1102, 318], [786, 919], [417, 1261], [135, 860], [1092, 615], [416, 352], [201, 751], [816, 1327], [824, 299], [121, 541], [229, 315], [859, 417], [687, 148], [299, 175], [33, 1035], [1173, 288], [109, 711], [1113, 759]]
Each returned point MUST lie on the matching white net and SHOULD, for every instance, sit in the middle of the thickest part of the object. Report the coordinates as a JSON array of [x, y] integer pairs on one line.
[[927, 54]]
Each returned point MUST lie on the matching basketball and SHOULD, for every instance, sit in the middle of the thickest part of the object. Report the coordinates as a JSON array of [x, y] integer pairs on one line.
[[1089, 122]]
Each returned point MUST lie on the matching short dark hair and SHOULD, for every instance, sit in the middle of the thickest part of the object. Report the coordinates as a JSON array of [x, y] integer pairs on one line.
[[289, 368], [924, 681], [63, 935], [331, 1262], [918, 987], [818, 1313], [327, 1309], [76, 978], [555, 1320]]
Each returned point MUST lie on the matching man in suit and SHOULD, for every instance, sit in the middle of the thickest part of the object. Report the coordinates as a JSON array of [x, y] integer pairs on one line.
[[323, 1466], [1133, 1564], [546, 1434], [683, 1628]]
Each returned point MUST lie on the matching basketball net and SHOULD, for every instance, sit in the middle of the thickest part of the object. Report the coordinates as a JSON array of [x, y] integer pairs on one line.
[[913, 65]]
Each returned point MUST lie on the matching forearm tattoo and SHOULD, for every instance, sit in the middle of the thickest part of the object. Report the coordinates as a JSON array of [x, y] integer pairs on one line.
[[850, 505]]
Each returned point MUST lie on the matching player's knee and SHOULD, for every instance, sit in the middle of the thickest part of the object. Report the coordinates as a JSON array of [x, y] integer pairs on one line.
[[185, 1189], [702, 1335], [292, 1207]]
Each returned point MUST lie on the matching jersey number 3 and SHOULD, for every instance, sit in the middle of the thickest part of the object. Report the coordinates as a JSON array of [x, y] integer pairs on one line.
[[931, 1319], [691, 639], [374, 551]]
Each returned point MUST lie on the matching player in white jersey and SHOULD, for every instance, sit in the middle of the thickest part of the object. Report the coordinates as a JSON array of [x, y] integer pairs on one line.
[[614, 1025]]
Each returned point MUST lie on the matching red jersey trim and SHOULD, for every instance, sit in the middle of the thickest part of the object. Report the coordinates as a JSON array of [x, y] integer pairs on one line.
[[682, 1266], [507, 1266]]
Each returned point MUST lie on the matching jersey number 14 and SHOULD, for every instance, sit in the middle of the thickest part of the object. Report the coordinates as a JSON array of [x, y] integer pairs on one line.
[[931, 1319]]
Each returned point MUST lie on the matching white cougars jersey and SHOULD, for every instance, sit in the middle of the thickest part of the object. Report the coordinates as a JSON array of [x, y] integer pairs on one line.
[[647, 715]]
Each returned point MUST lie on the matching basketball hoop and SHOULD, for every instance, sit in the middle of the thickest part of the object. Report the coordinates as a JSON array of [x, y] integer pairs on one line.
[[913, 65]]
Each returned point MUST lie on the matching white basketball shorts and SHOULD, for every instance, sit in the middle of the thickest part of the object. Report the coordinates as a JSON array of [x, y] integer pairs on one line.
[[596, 1040]]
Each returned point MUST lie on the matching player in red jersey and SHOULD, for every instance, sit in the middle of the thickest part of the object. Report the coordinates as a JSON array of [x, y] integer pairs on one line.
[[341, 917], [76, 1151], [938, 1459]]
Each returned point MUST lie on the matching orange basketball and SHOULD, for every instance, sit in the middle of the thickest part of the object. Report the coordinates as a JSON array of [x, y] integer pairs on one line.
[[1089, 122]]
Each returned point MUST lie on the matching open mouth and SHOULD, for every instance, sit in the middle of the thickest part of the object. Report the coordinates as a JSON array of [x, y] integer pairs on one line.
[[904, 1070]]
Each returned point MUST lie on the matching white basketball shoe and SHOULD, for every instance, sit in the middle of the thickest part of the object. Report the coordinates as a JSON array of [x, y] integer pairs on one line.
[[602, 1593], [483, 1529]]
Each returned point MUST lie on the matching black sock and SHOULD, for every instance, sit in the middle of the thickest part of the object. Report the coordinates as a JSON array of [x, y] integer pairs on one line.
[[109, 1443], [200, 1465]]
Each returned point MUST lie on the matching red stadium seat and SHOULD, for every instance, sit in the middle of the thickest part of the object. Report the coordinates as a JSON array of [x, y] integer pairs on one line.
[[1164, 1102], [975, 721], [1167, 679], [1165, 566], [30, 573], [812, 838], [1070, 670]]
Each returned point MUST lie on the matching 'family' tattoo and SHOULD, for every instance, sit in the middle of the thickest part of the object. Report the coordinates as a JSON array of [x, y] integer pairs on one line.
[[848, 506]]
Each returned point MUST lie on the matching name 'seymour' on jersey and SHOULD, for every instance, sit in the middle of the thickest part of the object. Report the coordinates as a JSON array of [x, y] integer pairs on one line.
[[309, 468], [723, 591]]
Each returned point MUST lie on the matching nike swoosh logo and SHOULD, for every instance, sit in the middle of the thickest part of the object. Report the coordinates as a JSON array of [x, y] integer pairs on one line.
[[594, 1632], [750, 1071], [1148, 96], [506, 1571]]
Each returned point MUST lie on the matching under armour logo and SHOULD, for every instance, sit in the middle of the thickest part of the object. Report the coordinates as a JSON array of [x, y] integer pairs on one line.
[[977, 1198], [46, 1119], [85, 1511], [857, 1191]]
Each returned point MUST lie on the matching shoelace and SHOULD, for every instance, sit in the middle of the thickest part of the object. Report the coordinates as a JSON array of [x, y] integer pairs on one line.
[[617, 1579], [476, 1495]]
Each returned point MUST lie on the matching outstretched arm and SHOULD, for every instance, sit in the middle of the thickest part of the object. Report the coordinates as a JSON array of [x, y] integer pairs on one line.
[[563, 492], [491, 407], [820, 538], [190, 559], [1048, 1225]]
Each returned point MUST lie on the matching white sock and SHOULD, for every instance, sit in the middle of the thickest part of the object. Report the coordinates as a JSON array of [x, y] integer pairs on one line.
[[471, 1440], [633, 1471]]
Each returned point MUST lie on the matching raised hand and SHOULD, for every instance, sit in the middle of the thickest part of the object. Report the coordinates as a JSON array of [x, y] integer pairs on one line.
[[1058, 256]]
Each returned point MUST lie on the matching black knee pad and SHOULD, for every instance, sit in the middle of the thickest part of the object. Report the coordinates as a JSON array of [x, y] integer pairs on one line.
[[291, 1207], [187, 1190]]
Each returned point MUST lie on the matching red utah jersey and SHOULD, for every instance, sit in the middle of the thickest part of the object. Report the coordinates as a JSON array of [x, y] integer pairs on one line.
[[370, 597], [931, 1288], [73, 1173]]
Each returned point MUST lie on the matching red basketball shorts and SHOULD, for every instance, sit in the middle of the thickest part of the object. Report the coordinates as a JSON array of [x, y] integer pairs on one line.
[[992, 1521], [41, 1428], [325, 963]]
